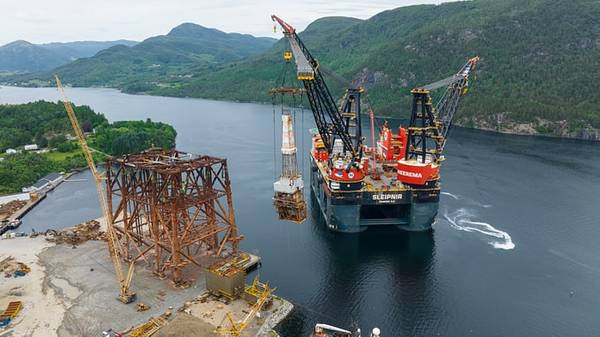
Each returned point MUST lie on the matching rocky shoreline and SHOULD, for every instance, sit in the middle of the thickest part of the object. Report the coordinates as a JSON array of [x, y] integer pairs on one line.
[[539, 127]]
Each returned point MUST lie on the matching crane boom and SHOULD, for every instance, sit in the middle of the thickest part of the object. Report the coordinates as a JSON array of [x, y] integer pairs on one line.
[[429, 126], [328, 117], [124, 296], [457, 86]]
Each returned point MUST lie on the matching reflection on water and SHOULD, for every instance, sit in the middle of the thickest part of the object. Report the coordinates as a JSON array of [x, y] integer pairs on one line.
[[383, 266]]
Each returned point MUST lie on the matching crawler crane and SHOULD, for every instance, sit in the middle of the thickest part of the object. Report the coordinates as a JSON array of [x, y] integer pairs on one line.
[[125, 295]]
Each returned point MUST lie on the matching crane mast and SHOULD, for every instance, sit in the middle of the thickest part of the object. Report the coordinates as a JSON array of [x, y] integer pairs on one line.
[[125, 295], [332, 123], [406, 194], [429, 126]]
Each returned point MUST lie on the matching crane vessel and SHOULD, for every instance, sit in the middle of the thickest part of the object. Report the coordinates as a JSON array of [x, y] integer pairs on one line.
[[395, 182]]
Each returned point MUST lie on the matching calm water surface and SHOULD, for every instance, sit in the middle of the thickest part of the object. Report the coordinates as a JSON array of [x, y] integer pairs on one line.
[[515, 250]]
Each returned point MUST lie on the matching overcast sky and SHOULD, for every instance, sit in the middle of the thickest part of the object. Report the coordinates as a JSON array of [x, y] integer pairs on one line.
[[40, 21]]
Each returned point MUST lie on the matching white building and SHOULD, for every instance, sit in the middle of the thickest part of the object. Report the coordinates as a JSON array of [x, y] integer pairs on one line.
[[11, 197], [30, 147], [51, 179], [11, 151]]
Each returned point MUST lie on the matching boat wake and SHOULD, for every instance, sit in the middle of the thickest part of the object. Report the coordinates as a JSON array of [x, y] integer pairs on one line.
[[458, 197], [453, 196], [462, 219]]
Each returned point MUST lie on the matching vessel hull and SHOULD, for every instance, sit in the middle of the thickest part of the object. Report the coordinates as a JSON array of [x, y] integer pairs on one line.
[[353, 212]]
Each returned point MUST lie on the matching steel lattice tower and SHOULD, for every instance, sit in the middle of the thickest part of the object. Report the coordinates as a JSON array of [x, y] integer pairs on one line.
[[171, 208]]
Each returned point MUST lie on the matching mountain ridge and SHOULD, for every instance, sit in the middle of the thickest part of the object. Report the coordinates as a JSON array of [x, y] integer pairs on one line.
[[187, 48], [540, 60], [536, 74], [22, 56]]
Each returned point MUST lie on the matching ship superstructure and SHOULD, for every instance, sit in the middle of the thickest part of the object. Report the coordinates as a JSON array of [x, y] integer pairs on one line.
[[394, 182]]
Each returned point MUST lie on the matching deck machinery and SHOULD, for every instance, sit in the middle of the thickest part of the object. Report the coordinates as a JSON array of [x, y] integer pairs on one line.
[[395, 182]]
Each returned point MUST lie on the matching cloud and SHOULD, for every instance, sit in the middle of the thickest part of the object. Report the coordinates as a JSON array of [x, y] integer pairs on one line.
[[41, 21]]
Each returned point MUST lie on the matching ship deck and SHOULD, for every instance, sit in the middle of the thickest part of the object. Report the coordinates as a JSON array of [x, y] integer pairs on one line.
[[386, 182]]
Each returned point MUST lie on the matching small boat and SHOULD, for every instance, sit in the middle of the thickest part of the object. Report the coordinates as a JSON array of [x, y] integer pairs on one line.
[[7, 225], [326, 330], [14, 224]]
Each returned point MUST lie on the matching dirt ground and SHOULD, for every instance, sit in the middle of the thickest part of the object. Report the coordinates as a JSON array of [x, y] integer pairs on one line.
[[186, 325], [72, 292], [88, 273], [43, 309]]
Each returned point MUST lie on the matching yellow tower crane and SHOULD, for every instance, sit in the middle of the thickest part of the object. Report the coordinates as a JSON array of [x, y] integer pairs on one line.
[[125, 295]]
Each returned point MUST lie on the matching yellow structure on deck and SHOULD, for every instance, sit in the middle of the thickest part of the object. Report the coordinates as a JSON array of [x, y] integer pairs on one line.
[[149, 328], [124, 281], [262, 293], [12, 310]]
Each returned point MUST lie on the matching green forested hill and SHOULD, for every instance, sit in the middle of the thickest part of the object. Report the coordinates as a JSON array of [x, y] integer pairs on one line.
[[540, 62], [46, 124], [39, 122], [186, 50], [22, 56]]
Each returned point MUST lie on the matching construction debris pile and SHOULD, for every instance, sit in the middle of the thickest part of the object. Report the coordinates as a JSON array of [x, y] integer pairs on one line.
[[11, 207], [77, 235], [186, 325], [6, 210], [12, 268]]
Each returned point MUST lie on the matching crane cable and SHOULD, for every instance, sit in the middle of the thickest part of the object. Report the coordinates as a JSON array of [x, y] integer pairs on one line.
[[274, 141]]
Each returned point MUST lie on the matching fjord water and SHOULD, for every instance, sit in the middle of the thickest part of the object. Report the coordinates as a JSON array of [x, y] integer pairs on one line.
[[514, 252]]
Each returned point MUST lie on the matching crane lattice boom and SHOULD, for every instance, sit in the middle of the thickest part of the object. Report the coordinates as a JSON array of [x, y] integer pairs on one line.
[[262, 292], [457, 87], [429, 127], [124, 281], [328, 117]]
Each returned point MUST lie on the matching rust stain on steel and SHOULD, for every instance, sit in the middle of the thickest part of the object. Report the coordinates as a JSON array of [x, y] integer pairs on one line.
[[171, 208]]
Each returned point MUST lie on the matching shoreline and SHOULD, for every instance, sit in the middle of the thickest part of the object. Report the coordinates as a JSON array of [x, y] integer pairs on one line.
[[68, 289], [41, 195], [266, 103]]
